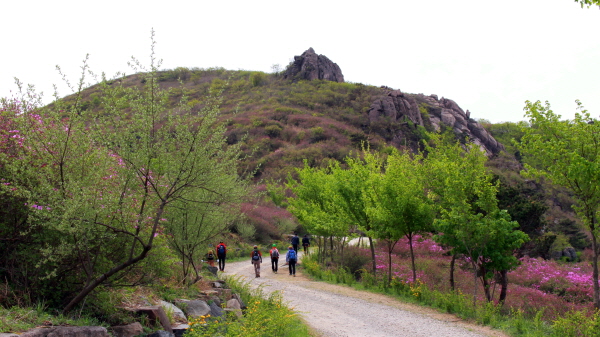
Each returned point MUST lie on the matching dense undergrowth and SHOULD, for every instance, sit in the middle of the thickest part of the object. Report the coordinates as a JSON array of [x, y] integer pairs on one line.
[[265, 315], [545, 298]]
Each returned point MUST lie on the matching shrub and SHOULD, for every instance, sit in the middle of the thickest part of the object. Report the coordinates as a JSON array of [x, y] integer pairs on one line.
[[273, 131]]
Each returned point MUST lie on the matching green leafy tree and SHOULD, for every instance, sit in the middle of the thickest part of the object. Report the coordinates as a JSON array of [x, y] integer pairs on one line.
[[314, 204], [470, 221], [588, 3], [353, 194], [401, 204], [109, 180], [567, 152]]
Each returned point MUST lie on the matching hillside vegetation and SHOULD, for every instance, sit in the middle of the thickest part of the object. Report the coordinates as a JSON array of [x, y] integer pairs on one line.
[[165, 163]]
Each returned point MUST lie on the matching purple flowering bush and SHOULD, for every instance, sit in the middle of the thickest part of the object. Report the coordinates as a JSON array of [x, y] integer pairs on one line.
[[553, 287]]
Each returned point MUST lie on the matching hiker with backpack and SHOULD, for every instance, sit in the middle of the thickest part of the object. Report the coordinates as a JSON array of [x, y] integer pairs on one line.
[[295, 242], [210, 258], [274, 258], [221, 254], [291, 258], [256, 260], [305, 243]]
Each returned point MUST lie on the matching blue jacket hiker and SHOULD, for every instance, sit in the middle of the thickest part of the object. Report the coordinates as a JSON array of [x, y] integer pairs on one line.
[[221, 254], [291, 257]]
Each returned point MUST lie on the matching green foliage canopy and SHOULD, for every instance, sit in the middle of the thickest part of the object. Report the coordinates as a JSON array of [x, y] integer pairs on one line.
[[567, 152]]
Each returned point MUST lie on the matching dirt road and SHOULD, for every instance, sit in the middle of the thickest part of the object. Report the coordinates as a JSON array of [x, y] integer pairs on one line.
[[334, 310]]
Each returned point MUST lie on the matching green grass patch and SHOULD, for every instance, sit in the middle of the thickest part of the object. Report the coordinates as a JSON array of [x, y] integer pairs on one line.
[[20, 319]]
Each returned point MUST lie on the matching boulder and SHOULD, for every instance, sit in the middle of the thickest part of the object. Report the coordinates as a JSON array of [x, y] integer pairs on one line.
[[310, 66], [224, 293], [395, 106], [234, 304], [178, 314], [128, 330], [196, 308], [213, 270], [68, 331], [216, 299], [570, 253], [239, 298], [156, 314], [215, 310]]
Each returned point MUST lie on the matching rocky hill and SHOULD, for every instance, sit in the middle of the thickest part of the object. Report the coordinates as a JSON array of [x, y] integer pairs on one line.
[[308, 113]]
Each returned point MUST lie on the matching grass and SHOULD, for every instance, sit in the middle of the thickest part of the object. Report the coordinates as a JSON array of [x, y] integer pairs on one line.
[[266, 315], [20, 319]]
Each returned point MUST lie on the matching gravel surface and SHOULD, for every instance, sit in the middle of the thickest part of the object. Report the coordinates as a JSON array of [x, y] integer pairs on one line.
[[334, 310]]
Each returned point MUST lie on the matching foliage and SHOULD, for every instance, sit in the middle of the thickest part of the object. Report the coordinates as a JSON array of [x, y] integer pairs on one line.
[[588, 3], [400, 202], [107, 183], [567, 152], [470, 221]]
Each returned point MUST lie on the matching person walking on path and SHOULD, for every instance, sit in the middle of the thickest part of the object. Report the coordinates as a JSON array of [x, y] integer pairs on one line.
[[256, 260], [274, 258], [221, 254], [295, 242], [305, 243], [291, 257], [210, 258]]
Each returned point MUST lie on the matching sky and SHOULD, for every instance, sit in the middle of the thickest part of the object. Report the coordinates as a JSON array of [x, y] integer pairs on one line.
[[487, 56]]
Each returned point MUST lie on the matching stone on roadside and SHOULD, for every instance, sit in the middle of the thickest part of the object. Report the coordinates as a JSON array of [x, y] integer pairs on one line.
[[178, 314], [216, 311], [129, 330]]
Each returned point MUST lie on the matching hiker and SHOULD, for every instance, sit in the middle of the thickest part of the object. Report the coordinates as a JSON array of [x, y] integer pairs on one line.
[[295, 242], [291, 258], [274, 258], [210, 258], [221, 254], [256, 260], [305, 243]]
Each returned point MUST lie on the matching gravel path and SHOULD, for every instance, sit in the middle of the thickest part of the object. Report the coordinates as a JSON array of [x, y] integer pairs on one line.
[[334, 310]]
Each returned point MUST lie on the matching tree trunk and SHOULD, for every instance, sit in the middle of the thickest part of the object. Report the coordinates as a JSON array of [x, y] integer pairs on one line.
[[87, 289], [390, 248], [503, 286], [595, 263], [412, 257], [373, 255], [452, 262], [131, 261]]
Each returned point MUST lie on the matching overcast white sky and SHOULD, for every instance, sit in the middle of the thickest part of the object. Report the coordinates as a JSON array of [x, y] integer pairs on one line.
[[488, 56]]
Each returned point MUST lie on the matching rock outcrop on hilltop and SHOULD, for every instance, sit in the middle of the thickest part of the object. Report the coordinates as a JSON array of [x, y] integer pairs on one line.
[[310, 66], [397, 106]]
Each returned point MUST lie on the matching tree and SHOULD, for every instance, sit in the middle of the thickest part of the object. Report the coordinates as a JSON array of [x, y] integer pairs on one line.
[[470, 221], [400, 205], [353, 194], [201, 216], [314, 204], [567, 152], [110, 180], [588, 3]]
